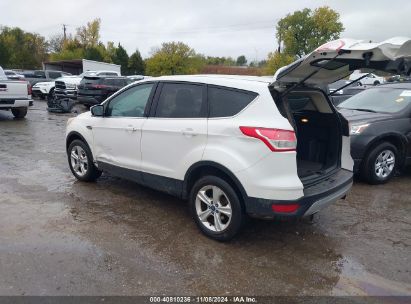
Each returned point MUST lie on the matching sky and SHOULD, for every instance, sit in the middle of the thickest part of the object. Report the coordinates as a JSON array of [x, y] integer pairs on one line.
[[211, 27]]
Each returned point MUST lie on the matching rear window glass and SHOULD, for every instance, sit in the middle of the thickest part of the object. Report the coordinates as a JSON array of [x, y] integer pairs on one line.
[[385, 100], [299, 102], [178, 100], [91, 80], [227, 102]]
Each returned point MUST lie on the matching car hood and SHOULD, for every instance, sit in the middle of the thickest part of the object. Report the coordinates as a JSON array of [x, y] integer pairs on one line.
[[361, 116], [70, 79], [44, 83], [338, 59]]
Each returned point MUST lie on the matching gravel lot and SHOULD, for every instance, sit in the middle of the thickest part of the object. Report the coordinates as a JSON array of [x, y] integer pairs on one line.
[[62, 237]]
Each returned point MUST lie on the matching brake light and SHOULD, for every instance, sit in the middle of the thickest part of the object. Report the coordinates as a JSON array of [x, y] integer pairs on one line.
[[28, 88], [290, 208], [277, 140]]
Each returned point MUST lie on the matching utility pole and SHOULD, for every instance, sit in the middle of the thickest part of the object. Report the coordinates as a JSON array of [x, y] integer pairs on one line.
[[64, 31]]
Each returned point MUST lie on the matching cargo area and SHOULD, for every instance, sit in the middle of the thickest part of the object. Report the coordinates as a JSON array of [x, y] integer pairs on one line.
[[318, 133]]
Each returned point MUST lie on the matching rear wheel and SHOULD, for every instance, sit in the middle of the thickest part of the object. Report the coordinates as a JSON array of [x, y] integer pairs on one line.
[[376, 82], [380, 164], [216, 208], [81, 162], [19, 112]]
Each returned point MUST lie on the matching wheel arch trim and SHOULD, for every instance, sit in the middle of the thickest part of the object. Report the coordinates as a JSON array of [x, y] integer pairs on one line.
[[215, 166]]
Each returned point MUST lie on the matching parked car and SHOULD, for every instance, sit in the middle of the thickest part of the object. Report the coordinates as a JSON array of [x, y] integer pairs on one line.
[[339, 95], [13, 75], [44, 89], [66, 87], [371, 79], [93, 90], [228, 144], [381, 130], [43, 75], [15, 95]]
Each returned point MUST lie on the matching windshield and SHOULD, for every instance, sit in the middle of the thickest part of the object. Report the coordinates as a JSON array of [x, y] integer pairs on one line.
[[385, 100]]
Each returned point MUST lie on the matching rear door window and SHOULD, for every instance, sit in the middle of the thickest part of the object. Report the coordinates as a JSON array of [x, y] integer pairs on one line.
[[225, 102], [181, 100]]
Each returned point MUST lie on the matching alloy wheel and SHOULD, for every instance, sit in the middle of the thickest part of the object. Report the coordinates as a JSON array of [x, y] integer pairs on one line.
[[79, 162], [213, 208], [384, 164]]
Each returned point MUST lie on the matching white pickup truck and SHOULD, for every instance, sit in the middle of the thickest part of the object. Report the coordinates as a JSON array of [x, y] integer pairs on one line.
[[15, 95]]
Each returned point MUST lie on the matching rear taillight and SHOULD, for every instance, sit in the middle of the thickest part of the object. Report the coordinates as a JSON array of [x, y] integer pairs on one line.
[[28, 88], [277, 140]]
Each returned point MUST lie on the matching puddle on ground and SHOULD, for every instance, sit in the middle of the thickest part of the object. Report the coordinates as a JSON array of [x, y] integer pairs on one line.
[[356, 281]]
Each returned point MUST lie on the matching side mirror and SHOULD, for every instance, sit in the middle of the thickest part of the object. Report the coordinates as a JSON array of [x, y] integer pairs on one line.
[[97, 110]]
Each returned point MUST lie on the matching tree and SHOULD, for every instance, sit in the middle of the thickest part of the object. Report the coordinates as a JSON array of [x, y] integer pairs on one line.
[[110, 52], [136, 64], [210, 60], [121, 58], [56, 43], [89, 35], [277, 60], [241, 60], [174, 58], [20, 49], [303, 31]]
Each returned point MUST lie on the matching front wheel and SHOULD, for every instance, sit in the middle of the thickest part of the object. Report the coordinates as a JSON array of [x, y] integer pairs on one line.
[[51, 95], [216, 208], [81, 162], [380, 164], [19, 112]]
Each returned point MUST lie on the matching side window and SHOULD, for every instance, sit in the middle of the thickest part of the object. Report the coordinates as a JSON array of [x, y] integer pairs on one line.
[[226, 102], [180, 100], [54, 75], [130, 103], [39, 74]]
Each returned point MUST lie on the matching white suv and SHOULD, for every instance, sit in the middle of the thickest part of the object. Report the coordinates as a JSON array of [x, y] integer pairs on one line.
[[228, 144]]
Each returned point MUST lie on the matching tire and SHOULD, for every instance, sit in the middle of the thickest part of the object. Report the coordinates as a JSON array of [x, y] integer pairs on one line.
[[359, 84], [228, 225], [385, 156], [376, 83], [86, 171], [19, 112], [51, 95]]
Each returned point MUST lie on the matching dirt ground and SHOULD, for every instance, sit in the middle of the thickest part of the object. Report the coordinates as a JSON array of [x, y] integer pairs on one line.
[[59, 236]]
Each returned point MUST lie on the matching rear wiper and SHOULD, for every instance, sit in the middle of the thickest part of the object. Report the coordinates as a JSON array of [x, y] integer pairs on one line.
[[365, 110]]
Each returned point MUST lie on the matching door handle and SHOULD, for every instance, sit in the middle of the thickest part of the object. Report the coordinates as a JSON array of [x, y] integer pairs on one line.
[[189, 132], [131, 129]]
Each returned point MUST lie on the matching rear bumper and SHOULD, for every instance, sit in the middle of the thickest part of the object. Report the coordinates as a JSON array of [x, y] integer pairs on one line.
[[15, 103], [315, 198]]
